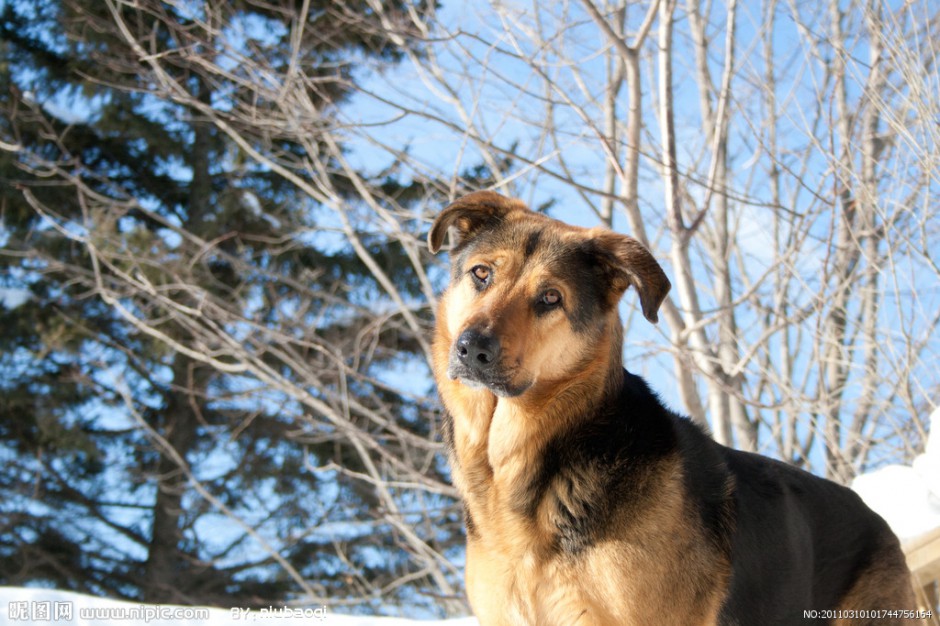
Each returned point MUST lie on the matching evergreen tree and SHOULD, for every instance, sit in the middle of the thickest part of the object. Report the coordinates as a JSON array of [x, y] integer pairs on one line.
[[141, 457]]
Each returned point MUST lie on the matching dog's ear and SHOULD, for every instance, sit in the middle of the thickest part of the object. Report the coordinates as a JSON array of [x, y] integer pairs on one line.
[[628, 262], [471, 214]]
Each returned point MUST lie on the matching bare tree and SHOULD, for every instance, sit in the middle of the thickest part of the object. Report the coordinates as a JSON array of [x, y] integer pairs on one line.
[[779, 204]]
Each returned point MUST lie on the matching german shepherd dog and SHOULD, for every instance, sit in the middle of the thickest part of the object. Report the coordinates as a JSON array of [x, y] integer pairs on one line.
[[587, 501]]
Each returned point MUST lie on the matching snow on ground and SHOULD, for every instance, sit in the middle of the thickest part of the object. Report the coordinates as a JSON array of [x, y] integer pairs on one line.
[[908, 497], [44, 607]]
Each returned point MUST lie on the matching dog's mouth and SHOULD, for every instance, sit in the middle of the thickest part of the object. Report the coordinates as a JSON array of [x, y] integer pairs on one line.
[[492, 379]]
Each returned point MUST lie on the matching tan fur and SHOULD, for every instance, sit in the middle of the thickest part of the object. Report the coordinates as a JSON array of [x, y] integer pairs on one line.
[[662, 568], [885, 586]]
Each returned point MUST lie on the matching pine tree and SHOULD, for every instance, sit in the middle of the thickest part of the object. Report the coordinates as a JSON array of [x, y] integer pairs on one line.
[[146, 238]]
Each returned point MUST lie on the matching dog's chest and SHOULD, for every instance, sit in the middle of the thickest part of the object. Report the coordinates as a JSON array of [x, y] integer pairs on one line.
[[649, 566], [520, 589], [601, 587]]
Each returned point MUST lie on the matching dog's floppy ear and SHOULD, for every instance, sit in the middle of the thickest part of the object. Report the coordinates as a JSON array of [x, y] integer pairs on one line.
[[628, 262], [471, 214]]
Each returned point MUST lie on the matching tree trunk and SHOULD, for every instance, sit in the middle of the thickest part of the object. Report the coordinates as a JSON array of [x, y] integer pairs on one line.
[[168, 565]]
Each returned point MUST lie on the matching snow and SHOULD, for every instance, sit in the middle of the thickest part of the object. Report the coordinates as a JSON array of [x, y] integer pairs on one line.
[[908, 497], [250, 202]]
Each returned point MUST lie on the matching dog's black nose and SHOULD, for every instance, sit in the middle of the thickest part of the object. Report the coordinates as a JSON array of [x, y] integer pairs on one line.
[[476, 350]]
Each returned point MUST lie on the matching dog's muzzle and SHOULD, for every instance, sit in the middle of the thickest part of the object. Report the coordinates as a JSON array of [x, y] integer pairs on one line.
[[475, 361]]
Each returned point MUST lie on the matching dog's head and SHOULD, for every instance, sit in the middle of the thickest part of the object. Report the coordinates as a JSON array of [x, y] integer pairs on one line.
[[532, 300]]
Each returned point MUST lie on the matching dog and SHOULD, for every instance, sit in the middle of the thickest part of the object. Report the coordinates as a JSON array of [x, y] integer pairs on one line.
[[587, 502]]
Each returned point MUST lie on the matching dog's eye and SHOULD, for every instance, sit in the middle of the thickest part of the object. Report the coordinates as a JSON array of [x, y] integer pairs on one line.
[[550, 298], [480, 273]]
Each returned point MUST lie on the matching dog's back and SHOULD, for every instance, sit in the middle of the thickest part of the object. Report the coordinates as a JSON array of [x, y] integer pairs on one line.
[[808, 548], [802, 550]]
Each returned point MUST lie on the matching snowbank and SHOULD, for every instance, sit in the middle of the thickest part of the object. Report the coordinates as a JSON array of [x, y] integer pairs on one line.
[[35, 607], [907, 497]]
